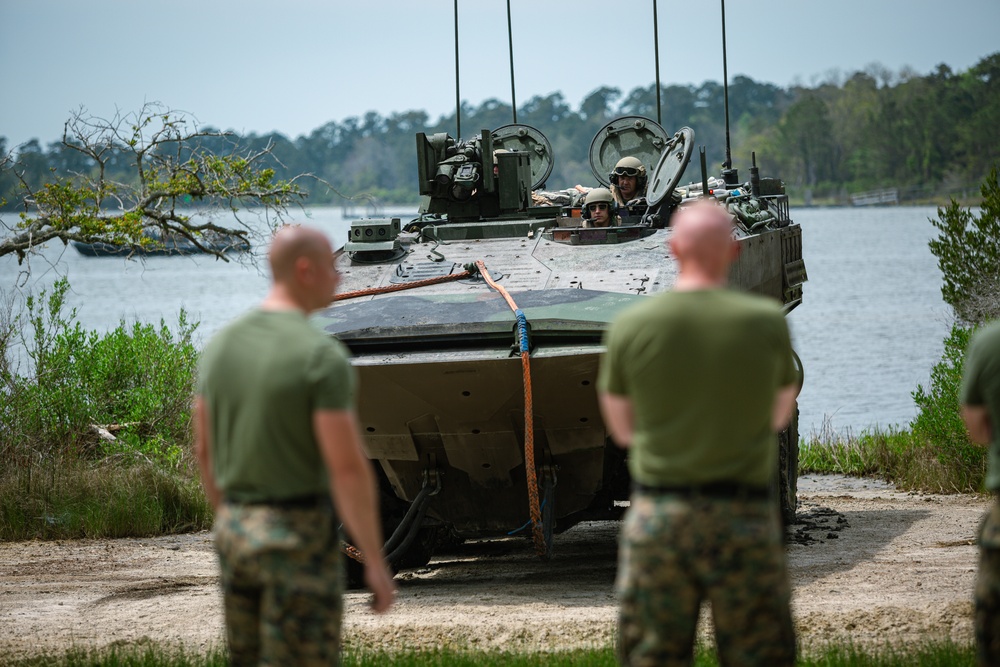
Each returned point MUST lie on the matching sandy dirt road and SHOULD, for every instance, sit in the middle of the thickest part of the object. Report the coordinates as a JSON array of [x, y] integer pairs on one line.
[[868, 563]]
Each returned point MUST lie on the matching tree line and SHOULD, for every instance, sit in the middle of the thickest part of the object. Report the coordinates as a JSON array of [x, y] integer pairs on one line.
[[927, 135]]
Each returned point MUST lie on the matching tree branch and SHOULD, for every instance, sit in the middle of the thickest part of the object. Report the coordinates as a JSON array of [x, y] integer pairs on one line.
[[169, 163]]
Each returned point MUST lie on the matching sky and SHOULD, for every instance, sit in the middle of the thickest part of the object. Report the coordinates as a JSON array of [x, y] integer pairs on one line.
[[293, 66]]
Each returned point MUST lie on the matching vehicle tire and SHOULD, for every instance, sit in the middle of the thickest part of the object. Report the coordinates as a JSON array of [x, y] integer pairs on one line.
[[788, 468]]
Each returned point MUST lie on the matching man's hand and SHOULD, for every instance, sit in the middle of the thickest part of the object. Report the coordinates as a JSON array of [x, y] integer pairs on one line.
[[355, 496], [203, 451], [380, 583], [977, 421], [618, 417], [784, 405]]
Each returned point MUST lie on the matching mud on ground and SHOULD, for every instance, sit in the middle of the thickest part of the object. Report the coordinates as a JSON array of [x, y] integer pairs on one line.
[[868, 563]]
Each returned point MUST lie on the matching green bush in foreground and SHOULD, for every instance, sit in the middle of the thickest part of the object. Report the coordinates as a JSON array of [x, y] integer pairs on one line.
[[138, 378], [59, 478], [942, 654], [939, 422]]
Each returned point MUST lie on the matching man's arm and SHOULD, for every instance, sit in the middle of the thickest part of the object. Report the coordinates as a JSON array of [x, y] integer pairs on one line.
[[618, 417], [203, 451], [355, 496], [784, 404], [977, 421]]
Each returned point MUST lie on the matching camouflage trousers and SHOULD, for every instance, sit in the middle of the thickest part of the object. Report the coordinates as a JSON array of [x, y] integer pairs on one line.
[[282, 584], [676, 553], [987, 594]]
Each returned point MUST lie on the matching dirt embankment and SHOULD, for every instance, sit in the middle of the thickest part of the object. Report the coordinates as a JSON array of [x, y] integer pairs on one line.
[[868, 563]]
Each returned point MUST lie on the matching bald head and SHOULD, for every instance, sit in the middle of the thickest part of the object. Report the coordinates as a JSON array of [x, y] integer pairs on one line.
[[290, 243], [302, 271], [703, 244]]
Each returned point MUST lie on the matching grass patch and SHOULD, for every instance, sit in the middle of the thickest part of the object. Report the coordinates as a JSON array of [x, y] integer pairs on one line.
[[73, 498], [908, 460], [126, 655], [929, 654]]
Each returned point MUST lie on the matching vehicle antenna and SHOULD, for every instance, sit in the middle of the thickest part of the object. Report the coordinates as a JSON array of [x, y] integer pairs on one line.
[[729, 175], [510, 46], [458, 97], [656, 56]]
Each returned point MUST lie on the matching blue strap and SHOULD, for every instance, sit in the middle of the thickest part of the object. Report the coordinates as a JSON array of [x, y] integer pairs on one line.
[[522, 328]]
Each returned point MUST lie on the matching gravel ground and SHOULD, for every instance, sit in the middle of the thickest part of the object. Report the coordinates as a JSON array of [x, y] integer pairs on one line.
[[868, 563]]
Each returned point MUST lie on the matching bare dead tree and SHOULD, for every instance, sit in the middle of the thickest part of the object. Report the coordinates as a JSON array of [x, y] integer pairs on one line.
[[982, 302], [173, 172]]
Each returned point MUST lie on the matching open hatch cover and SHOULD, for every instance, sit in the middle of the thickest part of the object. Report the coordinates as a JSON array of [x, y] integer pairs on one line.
[[528, 140], [632, 136]]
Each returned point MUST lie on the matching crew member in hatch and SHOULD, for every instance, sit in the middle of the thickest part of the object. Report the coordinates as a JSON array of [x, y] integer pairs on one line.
[[628, 180], [599, 209]]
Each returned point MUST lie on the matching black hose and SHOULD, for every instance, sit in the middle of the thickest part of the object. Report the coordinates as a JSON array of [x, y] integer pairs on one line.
[[549, 513], [411, 535], [403, 528]]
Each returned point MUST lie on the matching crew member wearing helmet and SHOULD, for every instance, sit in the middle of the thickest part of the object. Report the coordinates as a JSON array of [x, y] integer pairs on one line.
[[600, 209], [628, 180]]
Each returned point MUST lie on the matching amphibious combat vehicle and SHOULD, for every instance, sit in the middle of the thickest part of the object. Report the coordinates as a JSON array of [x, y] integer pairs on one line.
[[447, 361]]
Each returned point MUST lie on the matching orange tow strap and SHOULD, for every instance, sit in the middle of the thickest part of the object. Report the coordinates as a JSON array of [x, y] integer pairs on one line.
[[529, 422], [401, 286]]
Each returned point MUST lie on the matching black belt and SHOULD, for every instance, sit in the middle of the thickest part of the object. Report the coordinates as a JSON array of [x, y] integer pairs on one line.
[[297, 502], [713, 490]]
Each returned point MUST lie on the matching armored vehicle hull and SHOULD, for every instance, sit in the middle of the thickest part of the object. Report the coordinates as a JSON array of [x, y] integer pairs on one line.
[[446, 371]]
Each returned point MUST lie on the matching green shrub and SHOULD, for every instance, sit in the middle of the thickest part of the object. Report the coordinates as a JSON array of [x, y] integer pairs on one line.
[[939, 422], [60, 478], [137, 379]]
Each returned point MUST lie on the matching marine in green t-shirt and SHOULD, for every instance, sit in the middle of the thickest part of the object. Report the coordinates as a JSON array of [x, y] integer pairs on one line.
[[979, 396], [695, 383], [701, 369], [262, 377], [276, 439]]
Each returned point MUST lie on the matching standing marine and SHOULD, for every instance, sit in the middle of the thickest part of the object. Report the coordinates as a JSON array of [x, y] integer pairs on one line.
[[277, 443], [699, 416], [980, 400]]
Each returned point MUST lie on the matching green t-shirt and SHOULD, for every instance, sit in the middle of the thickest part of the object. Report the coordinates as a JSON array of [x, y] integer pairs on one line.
[[262, 377], [981, 387], [701, 369]]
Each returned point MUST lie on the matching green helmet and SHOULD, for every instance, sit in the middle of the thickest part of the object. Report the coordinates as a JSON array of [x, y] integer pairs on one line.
[[598, 195], [630, 166]]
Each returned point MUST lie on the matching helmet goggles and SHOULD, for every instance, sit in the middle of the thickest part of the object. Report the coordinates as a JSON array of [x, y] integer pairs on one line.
[[626, 171]]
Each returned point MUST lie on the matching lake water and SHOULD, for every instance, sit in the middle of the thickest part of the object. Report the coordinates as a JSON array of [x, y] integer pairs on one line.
[[872, 322], [869, 330]]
